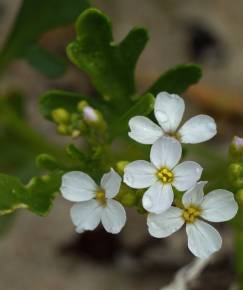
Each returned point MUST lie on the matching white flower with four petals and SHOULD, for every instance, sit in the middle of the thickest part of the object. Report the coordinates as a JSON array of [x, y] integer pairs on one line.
[[161, 174], [94, 204], [169, 110], [203, 239]]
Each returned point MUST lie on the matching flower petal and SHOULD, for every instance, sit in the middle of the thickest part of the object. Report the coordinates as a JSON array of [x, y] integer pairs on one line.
[[140, 174], [198, 129], [203, 239], [194, 196], [186, 174], [169, 110], [164, 224], [158, 198], [143, 130], [219, 205], [78, 186], [113, 216], [165, 152], [111, 183], [86, 215]]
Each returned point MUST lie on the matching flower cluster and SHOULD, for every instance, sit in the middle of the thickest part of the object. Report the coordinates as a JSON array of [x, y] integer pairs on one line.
[[162, 179]]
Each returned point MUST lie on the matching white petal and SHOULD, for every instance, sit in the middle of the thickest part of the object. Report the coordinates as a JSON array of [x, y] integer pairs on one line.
[[198, 129], [140, 174], [113, 216], [164, 224], [158, 198], [111, 183], [169, 110], [219, 205], [143, 130], [86, 215], [165, 152], [203, 239], [78, 186], [186, 174], [194, 196]]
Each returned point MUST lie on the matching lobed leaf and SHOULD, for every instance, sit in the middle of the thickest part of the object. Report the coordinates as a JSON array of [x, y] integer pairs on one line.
[[177, 80], [37, 196], [110, 66]]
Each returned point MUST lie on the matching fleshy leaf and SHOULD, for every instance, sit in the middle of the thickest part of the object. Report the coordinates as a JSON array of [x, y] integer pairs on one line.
[[37, 196], [143, 106], [177, 79], [33, 20], [110, 66]]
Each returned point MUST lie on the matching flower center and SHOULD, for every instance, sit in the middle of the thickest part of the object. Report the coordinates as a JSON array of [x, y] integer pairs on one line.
[[100, 197], [165, 175], [191, 213]]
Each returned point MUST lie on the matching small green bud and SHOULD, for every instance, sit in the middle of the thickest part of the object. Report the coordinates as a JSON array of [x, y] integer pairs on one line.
[[82, 105], [239, 196], [128, 199], [60, 116], [62, 129], [235, 170], [120, 166], [47, 161], [75, 133], [236, 149]]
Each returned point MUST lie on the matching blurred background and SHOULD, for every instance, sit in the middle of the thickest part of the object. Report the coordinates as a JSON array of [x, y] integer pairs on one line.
[[45, 253]]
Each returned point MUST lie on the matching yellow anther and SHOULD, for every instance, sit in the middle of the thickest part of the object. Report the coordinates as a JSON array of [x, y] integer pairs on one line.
[[100, 197], [165, 175], [191, 213]]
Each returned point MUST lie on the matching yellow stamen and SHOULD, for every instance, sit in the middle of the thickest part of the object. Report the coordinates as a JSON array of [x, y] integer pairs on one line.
[[165, 175], [100, 197], [191, 213]]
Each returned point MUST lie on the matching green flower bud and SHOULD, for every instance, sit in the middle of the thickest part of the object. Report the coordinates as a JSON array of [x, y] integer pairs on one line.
[[47, 161], [60, 116], [82, 105], [120, 165], [62, 129], [236, 149], [235, 170], [239, 196], [75, 133]]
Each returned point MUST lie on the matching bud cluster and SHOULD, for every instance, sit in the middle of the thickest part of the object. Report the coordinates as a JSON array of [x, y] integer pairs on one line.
[[80, 122]]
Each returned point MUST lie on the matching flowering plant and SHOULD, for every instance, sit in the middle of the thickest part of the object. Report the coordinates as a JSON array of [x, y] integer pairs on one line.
[[110, 170]]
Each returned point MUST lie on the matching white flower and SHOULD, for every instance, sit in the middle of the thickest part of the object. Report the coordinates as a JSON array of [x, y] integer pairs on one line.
[[94, 204], [203, 239], [161, 174], [169, 110]]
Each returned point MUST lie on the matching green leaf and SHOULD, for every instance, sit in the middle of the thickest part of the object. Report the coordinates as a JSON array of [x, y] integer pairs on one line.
[[55, 99], [46, 63], [177, 80], [37, 195], [110, 66], [33, 20], [41, 192], [143, 106]]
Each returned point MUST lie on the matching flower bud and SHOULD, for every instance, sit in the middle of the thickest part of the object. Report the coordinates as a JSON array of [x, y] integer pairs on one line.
[[120, 166], [60, 116], [82, 105], [239, 196], [47, 161], [236, 149], [62, 129], [90, 115], [75, 133]]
